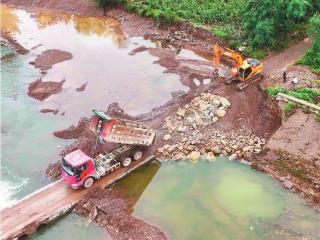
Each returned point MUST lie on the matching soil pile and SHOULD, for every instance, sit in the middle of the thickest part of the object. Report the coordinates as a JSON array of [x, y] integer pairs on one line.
[[42, 90], [109, 210]]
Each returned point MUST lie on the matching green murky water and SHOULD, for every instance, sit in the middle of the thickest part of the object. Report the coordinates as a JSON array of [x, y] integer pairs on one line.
[[27, 141], [71, 227], [220, 200]]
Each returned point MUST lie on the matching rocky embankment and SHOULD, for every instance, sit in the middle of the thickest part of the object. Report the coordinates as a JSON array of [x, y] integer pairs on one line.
[[191, 133]]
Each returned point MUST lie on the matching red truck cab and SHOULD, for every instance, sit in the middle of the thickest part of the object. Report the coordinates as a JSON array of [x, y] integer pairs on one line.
[[78, 169]]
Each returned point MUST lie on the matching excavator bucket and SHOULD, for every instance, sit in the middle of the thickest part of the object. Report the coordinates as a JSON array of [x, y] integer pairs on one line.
[[121, 131]]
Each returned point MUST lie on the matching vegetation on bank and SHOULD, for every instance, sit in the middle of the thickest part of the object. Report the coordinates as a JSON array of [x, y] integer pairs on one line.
[[263, 25], [267, 24], [289, 109], [284, 167], [306, 94], [312, 57]]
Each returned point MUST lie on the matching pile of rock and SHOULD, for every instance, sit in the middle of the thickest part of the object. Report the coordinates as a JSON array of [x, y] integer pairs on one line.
[[201, 111], [196, 145]]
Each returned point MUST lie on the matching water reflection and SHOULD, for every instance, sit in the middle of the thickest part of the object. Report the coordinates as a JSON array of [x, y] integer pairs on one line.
[[9, 20], [100, 26]]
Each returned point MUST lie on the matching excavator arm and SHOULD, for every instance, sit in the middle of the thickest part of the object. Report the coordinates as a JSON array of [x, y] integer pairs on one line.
[[218, 52]]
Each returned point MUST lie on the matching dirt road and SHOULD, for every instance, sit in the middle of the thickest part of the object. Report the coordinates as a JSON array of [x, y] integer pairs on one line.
[[50, 202], [279, 62]]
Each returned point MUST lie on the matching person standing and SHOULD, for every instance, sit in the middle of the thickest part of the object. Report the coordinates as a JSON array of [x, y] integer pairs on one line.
[[284, 76]]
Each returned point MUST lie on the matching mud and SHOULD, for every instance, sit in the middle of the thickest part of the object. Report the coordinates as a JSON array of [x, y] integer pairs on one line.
[[109, 210], [41, 90], [10, 42], [53, 171], [46, 110], [82, 87], [48, 58]]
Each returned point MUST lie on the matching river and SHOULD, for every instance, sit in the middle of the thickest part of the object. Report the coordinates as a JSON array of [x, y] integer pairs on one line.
[[220, 200]]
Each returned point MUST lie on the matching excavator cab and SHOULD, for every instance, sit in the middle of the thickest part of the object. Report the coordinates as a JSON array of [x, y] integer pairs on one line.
[[249, 69]]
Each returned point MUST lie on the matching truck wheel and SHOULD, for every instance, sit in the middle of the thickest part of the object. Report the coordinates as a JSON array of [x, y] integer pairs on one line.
[[126, 161], [88, 182], [136, 155]]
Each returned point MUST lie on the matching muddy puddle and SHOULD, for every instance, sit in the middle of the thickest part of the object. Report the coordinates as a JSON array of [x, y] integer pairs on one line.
[[218, 200], [100, 60]]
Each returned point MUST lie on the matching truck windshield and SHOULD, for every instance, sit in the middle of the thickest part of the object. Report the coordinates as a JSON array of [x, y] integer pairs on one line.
[[72, 171]]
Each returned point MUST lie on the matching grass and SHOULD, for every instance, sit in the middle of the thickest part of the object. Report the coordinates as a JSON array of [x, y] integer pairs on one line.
[[317, 117], [222, 18], [289, 108], [306, 94]]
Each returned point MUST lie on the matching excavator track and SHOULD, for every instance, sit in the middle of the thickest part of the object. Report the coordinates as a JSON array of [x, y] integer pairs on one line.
[[242, 85]]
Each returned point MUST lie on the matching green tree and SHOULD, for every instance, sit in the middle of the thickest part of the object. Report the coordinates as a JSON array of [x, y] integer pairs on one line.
[[312, 57], [266, 20]]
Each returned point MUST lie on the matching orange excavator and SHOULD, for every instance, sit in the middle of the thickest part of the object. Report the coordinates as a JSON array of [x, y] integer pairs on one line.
[[245, 71]]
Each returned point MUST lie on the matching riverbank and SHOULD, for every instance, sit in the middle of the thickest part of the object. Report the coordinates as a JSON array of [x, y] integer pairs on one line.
[[249, 123]]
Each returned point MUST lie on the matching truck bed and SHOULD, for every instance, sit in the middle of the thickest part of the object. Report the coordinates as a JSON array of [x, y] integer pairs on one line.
[[122, 131]]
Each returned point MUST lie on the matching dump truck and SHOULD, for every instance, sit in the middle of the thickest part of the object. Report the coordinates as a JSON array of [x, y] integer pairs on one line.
[[131, 139]]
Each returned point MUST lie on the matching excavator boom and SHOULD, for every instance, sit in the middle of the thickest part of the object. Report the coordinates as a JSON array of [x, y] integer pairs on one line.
[[218, 52]]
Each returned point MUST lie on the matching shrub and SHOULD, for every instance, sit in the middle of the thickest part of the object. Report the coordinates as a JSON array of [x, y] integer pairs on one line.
[[306, 94], [289, 108], [256, 54], [312, 56], [273, 91]]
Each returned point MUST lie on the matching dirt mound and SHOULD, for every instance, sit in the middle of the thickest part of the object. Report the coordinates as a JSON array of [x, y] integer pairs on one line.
[[50, 57], [42, 90], [298, 135], [250, 108], [109, 210], [74, 131]]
